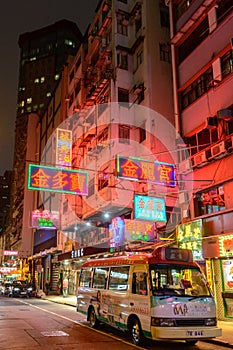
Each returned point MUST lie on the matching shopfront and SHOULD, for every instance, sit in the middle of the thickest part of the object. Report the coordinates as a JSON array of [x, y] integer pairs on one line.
[[219, 250]]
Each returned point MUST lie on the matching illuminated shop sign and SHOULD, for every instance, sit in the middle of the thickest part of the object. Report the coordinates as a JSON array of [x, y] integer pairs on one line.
[[141, 170], [226, 245], [227, 270], [45, 178], [63, 148], [149, 208], [116, 233], [136, 230], [7, 269], [10, 252], [45, 219], [189, 236]]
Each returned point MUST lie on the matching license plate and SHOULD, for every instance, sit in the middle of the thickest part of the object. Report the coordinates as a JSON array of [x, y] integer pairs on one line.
[[195, 333], [23, 293]]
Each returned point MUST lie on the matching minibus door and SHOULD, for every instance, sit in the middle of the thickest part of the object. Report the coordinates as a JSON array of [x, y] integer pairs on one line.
[[139, 302]]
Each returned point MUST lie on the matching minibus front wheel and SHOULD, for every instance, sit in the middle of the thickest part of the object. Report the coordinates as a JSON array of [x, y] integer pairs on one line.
[[136, 331], [92, 318]]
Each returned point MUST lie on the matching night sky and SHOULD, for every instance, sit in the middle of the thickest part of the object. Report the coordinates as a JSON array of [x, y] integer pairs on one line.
[[18, 17]]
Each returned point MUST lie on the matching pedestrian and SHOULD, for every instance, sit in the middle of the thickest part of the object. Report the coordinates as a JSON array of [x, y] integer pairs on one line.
[[47, 288], [65, 286]]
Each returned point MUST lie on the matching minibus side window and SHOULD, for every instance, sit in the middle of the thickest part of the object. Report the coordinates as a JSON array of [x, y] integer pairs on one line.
[[118, 279], [100, 277], [85, 278], [139, 283]]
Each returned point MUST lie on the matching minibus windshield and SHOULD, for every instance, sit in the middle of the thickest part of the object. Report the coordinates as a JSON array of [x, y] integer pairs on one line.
[[171, 280]]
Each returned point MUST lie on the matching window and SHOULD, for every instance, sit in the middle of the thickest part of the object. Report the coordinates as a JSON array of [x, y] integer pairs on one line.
[[118, 279], [142, 133], [139, 58], [197, 88], [123, 95], [122, 60], [103, 179], [138, 20], [227, 64], [210, 201], [85, 278], [141, 94], [193, 40], [91, 187], [181, 7], [100, 277], [124, 134], [139, 283], [164, 16], [165, 52], [29, 100], [202, 140], [122, 24]]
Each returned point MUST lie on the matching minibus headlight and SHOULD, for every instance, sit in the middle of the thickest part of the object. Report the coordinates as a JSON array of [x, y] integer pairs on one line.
[[211, 322], [162, 322]]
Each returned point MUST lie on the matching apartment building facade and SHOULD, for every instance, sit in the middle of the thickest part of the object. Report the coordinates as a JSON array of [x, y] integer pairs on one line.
[[43, 55], [201, 42], [119, 94]]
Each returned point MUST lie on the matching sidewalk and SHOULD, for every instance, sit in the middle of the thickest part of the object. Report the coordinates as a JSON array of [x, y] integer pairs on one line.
[[227, 326]]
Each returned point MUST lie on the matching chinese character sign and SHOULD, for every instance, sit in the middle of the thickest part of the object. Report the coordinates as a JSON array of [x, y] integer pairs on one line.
[[141, 170], [136, 230], [149, 208], [45, 178], [63, 147], [45, 219], [226, 245], [189, 236]]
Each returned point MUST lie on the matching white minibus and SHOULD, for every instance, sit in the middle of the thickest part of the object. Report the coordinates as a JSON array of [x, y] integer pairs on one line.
[[158, 293]]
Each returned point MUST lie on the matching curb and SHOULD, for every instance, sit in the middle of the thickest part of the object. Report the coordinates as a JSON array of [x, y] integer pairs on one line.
[[219, 342]]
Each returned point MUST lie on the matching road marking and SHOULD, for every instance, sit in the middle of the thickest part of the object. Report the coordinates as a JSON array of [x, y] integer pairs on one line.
[[83, 325], [55, 334]]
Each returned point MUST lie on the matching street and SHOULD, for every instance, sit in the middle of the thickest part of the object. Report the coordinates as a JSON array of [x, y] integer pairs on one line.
[[36, 324]]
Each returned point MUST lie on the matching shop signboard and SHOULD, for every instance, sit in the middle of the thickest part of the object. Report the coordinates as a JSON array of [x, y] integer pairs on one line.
[[10, 252], [137, 169], [45, 219], [227, 270], [226, 245], [116, 233], [149, 208], [47, 178], [63, 147], [137, 230], [189, 236]]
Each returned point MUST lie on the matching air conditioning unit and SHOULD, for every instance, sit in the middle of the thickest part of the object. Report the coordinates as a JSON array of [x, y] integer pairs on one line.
[[186, 213], [183, 197], [185, 166], [217, 151], [226, 114], [199, 159]]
